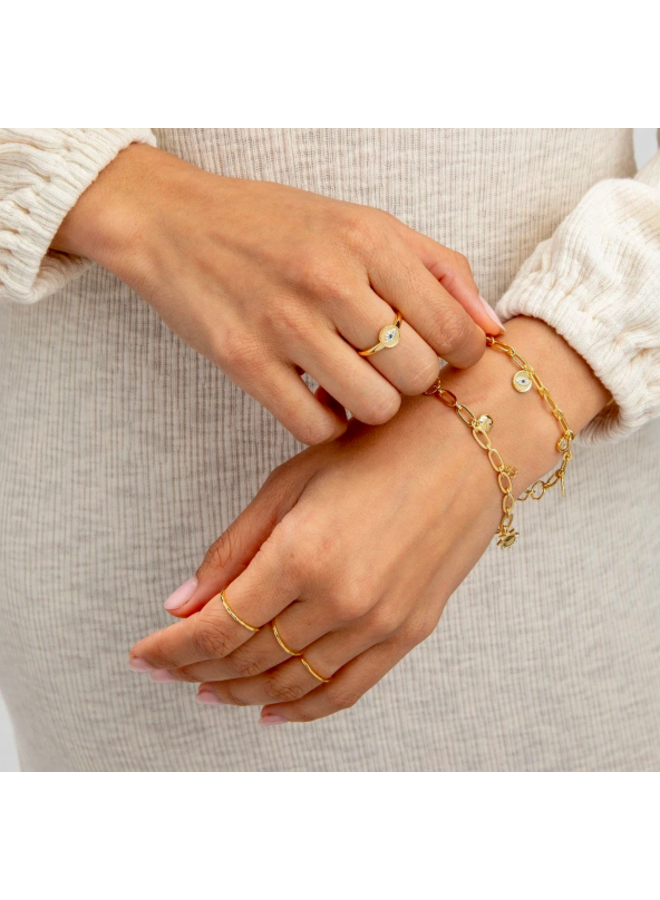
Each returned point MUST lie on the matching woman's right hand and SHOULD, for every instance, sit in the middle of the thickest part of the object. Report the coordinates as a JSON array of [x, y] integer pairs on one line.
[[268, 281]]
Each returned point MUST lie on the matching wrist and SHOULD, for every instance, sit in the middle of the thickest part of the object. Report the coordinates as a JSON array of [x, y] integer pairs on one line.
[[111, 222], [525, 431]]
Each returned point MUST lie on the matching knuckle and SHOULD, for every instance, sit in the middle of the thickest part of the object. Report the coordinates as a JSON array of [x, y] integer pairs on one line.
[[210, 637], [357, 228], [158, 655], [228, 696], [291, 319], [416, 632], [457, 335], [282, 689], [219, 553], [452, 327], [312, 431], [324, 278], [283, 540], [352, 602], [186, 673], [384, 623], [344, 698], [237, 353], [381, 407], [462, 262], [424, 374], [242, 665]]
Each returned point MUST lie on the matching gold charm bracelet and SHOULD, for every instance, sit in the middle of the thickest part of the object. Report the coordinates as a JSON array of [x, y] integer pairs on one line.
[[523, 380], [479, 427]]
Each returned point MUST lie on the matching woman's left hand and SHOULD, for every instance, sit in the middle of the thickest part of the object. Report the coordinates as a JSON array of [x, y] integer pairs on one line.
[[355, 547]]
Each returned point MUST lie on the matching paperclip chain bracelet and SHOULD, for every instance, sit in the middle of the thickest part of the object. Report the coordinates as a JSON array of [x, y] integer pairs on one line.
[[480, 426], [523, 380]]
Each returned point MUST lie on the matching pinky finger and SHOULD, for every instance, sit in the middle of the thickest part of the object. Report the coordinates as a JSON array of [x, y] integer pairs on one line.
[[343, 691]]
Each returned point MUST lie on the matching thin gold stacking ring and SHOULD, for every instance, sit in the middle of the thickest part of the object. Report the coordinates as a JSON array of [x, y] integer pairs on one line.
[[312, 672], [234, 616], [278, 638], [388, 337]]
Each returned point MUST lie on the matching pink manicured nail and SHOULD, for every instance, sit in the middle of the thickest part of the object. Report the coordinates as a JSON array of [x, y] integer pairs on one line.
[[162, 676], [181, 595], [140, 665], [272, 720], [491, 312], [208, 698]]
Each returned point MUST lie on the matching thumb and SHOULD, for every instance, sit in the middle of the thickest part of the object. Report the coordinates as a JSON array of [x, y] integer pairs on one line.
[[235, 548]]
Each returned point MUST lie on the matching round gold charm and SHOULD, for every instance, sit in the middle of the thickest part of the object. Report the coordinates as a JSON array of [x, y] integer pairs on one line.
[[522, 382], [389, 336], [486, 422]]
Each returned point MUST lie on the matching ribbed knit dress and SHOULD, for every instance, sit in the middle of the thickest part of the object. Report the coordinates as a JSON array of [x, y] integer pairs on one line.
[[124, 454]]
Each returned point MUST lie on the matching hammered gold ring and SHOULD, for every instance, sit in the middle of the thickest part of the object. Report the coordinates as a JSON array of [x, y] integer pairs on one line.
[[388, 337], [278, 638], [234, 616], [312, 672]]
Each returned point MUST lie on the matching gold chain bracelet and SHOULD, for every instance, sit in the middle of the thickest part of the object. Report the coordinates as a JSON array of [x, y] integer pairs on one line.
[[522, 381], [480, 426]]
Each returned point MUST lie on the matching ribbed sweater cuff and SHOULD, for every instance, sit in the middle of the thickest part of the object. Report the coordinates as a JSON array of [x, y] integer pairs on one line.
[[597, 283], [43, 172]]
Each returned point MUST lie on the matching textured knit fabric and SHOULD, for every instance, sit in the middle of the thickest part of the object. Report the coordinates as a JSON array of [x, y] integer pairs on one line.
[[42, 173], [124, 454]]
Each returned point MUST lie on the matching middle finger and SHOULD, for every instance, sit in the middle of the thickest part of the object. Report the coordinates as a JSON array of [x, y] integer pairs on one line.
[[411, 366]]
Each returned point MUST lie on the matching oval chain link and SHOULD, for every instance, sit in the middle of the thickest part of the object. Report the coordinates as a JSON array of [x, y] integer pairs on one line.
[[505, 533], [537, 490]]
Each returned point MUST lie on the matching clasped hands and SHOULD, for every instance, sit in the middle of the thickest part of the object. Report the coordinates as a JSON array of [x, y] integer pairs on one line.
[[343, 542], [356, 543]]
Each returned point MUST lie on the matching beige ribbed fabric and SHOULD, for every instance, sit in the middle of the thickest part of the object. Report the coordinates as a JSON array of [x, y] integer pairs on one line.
[[124, 455]]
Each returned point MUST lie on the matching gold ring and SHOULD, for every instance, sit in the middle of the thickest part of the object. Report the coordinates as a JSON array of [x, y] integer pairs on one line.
[[312, 672], [234, 616], [278, 638], [389, 336]]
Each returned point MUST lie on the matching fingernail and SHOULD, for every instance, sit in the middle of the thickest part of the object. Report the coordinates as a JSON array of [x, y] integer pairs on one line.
[[491, 312], [140, 665], [208, 698], [181, 595], [162, 676], [272, 720]]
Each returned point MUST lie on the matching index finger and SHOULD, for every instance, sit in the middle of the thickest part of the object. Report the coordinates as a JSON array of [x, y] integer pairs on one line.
[[262, 591], [434, 314]]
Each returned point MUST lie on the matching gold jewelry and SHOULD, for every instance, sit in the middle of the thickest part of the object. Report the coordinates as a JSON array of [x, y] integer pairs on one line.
[[480, 426], [234, 616], [312, 672], [522, 381], [278, 638], [389, 337]]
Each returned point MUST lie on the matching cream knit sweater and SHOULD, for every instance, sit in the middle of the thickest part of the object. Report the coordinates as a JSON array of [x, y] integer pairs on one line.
[[124, 454]]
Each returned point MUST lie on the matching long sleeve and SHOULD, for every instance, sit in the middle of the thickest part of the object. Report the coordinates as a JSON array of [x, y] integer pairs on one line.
[[596, 281], [43, 171]]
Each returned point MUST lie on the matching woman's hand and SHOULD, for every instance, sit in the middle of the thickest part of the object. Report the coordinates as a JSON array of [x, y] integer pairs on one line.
[[268, 281], [356, 546]]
